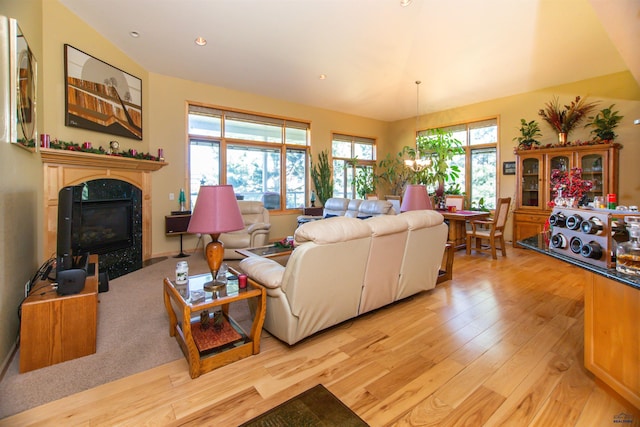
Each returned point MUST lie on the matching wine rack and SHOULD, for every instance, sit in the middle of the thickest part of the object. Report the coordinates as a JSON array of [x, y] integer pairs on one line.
[[569, 238]]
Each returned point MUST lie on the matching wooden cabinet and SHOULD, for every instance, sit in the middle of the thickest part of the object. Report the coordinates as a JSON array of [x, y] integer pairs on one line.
[[599, 164], [56, 328], [611, 334]]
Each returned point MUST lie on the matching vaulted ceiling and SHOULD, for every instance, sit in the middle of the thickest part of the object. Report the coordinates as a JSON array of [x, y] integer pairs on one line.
[[373, 51]]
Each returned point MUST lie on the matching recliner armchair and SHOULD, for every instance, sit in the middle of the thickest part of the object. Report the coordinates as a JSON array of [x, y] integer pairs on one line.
[[255, 232]]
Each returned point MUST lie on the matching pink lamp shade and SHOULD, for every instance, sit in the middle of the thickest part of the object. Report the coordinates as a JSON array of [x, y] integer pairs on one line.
[[216, 211], [415, 198]]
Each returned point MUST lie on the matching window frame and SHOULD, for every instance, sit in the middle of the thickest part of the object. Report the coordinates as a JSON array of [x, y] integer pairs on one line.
[[469, 149], [351, 164], [284, 145]]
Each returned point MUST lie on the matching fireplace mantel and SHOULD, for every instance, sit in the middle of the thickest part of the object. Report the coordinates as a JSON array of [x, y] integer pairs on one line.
[[68, 157], [65, 167]]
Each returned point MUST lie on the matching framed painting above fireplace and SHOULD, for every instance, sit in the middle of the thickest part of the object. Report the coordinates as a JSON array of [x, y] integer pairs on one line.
[[101, 97]]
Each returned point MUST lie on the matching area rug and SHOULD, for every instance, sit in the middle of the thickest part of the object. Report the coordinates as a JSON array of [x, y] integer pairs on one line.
[[314, 407], [122, 350]]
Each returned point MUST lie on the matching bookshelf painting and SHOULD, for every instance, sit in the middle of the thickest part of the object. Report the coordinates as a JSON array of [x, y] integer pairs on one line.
[[101, 97]]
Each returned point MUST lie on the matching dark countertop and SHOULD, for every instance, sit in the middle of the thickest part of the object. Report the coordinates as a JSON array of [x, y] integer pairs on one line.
[[538, 244]]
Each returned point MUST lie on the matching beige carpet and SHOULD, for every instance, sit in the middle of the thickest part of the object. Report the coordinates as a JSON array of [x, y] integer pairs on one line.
[[133, 336]]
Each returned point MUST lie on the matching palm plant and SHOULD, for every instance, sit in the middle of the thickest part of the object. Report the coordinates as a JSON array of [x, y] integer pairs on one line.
[[322, 177], [604, 122]]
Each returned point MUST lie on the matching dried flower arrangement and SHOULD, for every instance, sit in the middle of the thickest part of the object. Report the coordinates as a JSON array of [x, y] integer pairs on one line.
[[563, 119]]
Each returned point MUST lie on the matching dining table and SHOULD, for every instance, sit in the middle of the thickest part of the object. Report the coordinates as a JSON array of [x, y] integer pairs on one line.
[[458, 225]]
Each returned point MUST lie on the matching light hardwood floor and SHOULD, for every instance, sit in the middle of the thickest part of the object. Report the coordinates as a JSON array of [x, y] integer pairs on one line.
[[500, 344]]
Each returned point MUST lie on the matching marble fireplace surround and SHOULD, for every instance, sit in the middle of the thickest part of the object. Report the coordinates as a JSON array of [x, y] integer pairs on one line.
[[64, 167]]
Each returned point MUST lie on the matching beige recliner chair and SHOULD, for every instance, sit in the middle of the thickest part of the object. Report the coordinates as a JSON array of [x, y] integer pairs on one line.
[[255, 232]]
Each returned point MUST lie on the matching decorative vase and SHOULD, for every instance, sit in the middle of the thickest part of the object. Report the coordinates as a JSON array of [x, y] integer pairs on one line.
[[562, 138]]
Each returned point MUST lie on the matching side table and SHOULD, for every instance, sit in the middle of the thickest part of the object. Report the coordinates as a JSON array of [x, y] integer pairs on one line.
[[177, 224], [313, 210], [185, 316]]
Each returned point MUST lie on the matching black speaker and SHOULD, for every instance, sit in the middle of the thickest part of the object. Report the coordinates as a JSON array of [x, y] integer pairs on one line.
[[103, 282], [71, 281]]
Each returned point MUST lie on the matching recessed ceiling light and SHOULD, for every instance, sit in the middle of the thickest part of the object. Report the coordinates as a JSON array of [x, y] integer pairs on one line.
[[134, 34], [201, 41], [405, 3], [322, 76]]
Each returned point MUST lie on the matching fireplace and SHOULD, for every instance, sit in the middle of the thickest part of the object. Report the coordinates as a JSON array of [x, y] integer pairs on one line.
[[123, 183], [111, 225]]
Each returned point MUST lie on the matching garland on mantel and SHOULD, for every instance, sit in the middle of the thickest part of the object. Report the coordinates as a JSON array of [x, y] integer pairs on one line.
[[576, 143], [72, 146]]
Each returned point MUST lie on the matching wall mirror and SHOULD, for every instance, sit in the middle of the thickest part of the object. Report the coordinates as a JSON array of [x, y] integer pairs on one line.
[[18, 96]]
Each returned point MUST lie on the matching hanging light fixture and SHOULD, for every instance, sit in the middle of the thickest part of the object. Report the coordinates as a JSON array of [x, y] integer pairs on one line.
[[418, 163]]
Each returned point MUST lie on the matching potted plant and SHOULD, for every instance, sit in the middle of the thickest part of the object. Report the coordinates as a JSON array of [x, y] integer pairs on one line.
[[322, 177], [365, 182], [393, 171], [563, 119], [603, 123], [529, 131], [439, 147]]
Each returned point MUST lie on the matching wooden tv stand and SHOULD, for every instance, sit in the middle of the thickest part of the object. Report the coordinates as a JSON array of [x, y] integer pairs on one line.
[[55, 328]]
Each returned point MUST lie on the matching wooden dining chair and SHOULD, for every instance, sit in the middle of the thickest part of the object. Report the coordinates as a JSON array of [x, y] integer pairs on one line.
[[491, 230]]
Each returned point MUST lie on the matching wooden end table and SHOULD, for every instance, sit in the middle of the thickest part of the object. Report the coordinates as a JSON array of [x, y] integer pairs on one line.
[[184, 317]]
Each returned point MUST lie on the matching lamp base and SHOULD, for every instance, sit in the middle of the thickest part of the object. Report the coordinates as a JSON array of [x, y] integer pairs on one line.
[[214, 253]]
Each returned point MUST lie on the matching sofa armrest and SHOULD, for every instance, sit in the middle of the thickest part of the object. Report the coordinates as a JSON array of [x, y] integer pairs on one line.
[[263, 270], [252, 228]]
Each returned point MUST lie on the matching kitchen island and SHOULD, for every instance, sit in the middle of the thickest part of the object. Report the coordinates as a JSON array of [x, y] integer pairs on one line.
[[611, 323]]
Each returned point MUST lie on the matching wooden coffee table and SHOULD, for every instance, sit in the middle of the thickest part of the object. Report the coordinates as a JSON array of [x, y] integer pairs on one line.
[[210, 347]]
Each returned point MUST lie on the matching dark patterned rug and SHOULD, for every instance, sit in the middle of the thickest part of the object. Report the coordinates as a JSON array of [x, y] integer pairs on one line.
[[314, 407]]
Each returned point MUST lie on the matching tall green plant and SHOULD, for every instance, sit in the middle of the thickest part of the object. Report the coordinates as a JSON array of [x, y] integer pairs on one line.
[[393, 171], [366, 182], [439, 146], [322, 176]]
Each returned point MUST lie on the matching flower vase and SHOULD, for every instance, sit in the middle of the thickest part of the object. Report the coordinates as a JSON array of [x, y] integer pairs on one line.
[[562, 138]]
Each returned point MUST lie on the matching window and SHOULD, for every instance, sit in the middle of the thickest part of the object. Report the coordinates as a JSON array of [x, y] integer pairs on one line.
[[264, 158], [479, 163], [353, 161]]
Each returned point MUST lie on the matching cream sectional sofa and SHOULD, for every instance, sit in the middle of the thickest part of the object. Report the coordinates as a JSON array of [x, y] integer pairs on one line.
[[343, 267], [353, 208]]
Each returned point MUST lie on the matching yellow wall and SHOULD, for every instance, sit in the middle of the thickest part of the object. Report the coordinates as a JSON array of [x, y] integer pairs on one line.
[[20, 193]]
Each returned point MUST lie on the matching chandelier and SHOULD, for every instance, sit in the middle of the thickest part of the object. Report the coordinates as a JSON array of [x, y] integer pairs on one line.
[[418, 163]]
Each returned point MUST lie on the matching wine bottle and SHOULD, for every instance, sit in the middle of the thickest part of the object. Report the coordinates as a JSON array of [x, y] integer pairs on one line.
[[574, 221], [557, 219], [592, 225], [592, 250], [575, 244], [558, 241]]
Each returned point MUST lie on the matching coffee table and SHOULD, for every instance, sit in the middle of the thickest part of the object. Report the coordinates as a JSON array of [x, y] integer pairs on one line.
[[210, 347], [268, 251]]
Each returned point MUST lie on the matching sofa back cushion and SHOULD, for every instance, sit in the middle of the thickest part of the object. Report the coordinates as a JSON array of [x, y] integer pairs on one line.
[[370, 208], [353, 208], [323, 277], [388, 240], [331, 230], [253, 212], [335, 206], [423, 252]]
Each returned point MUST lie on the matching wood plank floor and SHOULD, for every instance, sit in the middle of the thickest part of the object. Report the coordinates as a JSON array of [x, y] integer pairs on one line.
[[500, 344]]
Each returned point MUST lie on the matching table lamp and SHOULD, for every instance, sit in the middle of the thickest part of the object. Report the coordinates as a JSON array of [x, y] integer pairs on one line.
[[415, 198], [216, 211]]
